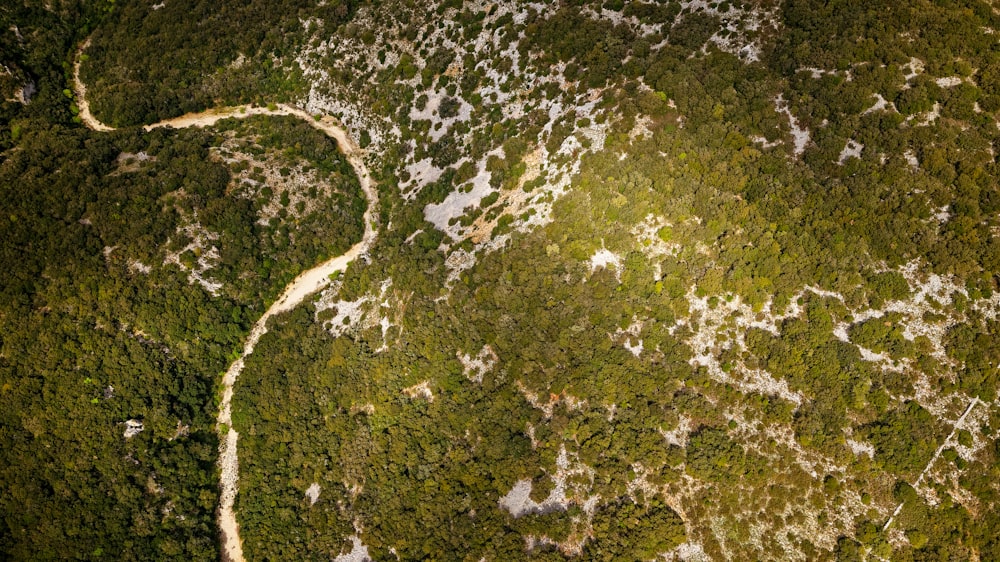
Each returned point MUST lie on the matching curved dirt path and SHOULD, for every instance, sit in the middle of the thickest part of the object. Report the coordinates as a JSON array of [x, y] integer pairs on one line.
[[80, 91], [307, 283]]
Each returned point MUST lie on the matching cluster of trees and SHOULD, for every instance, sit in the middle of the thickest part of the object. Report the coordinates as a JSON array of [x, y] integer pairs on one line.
[[596, 48], [367, 460], [146, 65], [906, 438], [750, 222], [258, 260], [98, 329], [88, 345], [33, 46]]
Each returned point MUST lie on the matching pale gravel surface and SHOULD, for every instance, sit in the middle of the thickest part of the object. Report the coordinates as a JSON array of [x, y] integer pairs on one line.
[[475, 367], [312, 492], [800, 135], [80, 92], [880, 105], [852, 149], [420, 390], [358, 553], [606, 259], [307, 283]]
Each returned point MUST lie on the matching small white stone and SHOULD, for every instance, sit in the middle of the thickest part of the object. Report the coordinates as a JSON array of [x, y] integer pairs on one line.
[[132, 428], [312, 492]]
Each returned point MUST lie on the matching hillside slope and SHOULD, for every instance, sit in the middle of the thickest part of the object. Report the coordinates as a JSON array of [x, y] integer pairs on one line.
[[707, 280]]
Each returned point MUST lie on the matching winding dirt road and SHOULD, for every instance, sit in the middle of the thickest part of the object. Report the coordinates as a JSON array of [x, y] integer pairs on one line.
[[81, 93], [307, 283]]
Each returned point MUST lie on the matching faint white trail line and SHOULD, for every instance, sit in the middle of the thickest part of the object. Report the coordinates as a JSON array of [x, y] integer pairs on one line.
[[937, 453], [307, 283]]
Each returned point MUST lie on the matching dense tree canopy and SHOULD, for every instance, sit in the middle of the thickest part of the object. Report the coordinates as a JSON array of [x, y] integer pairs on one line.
[[703, 278]]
